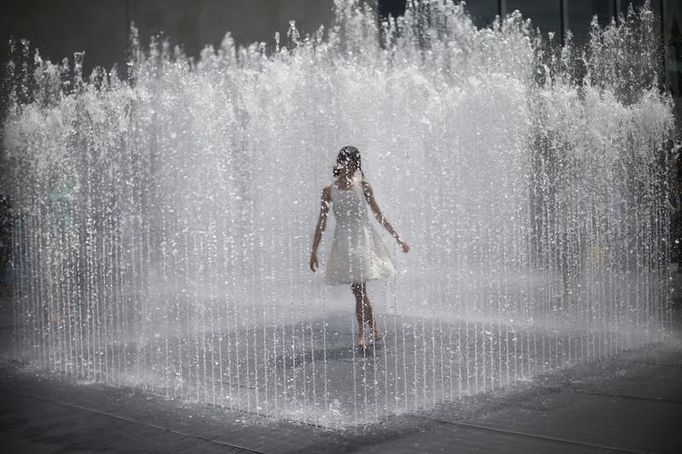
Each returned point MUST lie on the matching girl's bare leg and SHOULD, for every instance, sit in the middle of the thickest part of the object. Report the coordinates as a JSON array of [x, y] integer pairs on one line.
[[360, 312], [376, 333], [364, 314]]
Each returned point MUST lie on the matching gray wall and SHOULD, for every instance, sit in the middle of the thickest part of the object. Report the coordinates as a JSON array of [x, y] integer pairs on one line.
[[100, 27]]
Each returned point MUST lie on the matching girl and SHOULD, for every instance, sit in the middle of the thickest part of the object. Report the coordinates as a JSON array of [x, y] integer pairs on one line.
[[357, 252]]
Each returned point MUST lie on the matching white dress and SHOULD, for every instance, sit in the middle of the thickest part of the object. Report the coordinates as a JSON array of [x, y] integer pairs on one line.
[[357, 253]]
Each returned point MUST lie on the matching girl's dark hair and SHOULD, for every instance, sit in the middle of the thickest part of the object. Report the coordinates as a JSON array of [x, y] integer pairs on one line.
[[349, 152]]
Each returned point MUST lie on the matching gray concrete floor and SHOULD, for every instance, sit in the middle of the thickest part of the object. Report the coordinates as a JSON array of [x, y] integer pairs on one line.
[[629, 403]]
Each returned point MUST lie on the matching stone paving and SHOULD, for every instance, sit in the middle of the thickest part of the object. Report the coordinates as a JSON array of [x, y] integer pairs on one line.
[[631, 402]]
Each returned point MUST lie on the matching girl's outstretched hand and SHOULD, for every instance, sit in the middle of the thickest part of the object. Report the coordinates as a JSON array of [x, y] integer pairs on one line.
[[313, 262], [404, 245]]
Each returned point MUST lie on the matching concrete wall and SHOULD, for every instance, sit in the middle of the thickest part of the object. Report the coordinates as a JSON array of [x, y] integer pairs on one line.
[[100, 27]]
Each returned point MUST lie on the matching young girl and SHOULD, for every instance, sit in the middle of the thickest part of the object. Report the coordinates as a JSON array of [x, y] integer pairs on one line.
[[357, 252]]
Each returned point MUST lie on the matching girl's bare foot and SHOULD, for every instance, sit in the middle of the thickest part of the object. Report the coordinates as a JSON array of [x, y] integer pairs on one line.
[[360, 341]]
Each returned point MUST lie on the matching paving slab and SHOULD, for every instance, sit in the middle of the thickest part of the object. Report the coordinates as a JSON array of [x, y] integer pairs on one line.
[[447, 439]]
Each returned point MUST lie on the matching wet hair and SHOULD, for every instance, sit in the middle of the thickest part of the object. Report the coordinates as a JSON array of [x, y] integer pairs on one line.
[[351, 153]]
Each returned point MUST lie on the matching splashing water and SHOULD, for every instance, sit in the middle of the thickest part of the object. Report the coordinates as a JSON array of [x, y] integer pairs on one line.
[[164, 222]]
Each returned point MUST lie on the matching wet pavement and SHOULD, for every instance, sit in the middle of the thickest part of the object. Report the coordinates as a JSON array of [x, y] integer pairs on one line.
[[631, 402]]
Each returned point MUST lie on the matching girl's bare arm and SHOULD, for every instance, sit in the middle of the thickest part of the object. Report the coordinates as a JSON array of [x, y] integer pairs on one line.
[[322, 219], [369, 194]]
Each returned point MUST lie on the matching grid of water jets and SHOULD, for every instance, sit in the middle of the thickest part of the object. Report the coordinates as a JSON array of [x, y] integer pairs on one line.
[[163, 222]]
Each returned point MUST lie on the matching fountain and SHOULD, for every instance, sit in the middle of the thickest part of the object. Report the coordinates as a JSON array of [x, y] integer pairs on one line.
[[164, 220]]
